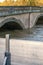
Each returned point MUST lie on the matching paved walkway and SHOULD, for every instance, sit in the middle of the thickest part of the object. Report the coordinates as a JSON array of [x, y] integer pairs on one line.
[[23, 52]]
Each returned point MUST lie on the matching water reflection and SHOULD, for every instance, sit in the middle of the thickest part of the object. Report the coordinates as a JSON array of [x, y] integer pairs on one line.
[[35, 33]]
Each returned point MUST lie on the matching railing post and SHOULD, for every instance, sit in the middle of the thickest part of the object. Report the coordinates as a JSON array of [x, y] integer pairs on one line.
[[7, 52]]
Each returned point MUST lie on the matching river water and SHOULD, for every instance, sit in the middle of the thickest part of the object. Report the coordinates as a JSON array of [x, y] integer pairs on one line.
[[29, 53], [35, 33]]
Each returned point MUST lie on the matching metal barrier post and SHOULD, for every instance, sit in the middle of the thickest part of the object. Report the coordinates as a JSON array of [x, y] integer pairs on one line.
[[7, 52]]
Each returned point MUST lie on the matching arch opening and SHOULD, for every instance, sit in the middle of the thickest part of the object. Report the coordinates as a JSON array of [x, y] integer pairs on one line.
[[11, 26], [39, 21]]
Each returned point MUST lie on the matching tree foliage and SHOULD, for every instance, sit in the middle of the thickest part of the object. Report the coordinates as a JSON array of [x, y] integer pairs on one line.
[[33, 2], [20, 3]]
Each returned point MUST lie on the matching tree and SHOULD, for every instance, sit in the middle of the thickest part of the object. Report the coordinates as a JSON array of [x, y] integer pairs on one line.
[[33, 2]]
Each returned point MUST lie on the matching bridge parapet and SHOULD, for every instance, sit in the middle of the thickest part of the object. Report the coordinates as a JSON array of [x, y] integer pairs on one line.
[[11, 10], [41, 9]]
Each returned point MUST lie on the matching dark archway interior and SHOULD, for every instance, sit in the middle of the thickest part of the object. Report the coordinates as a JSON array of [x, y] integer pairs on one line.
[[11, 26], [40, 21]]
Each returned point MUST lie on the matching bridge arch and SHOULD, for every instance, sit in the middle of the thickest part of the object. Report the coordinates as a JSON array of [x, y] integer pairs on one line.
[[39, 19], [12, 19]]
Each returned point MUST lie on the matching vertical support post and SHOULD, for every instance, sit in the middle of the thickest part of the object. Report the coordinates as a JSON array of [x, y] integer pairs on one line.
[[7, 52], [7, 44]]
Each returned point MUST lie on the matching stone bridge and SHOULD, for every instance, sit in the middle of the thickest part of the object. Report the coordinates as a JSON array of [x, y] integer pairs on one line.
[[26, 17]]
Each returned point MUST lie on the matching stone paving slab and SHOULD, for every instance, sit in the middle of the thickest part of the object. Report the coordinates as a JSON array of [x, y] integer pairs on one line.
[[23, 52]]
